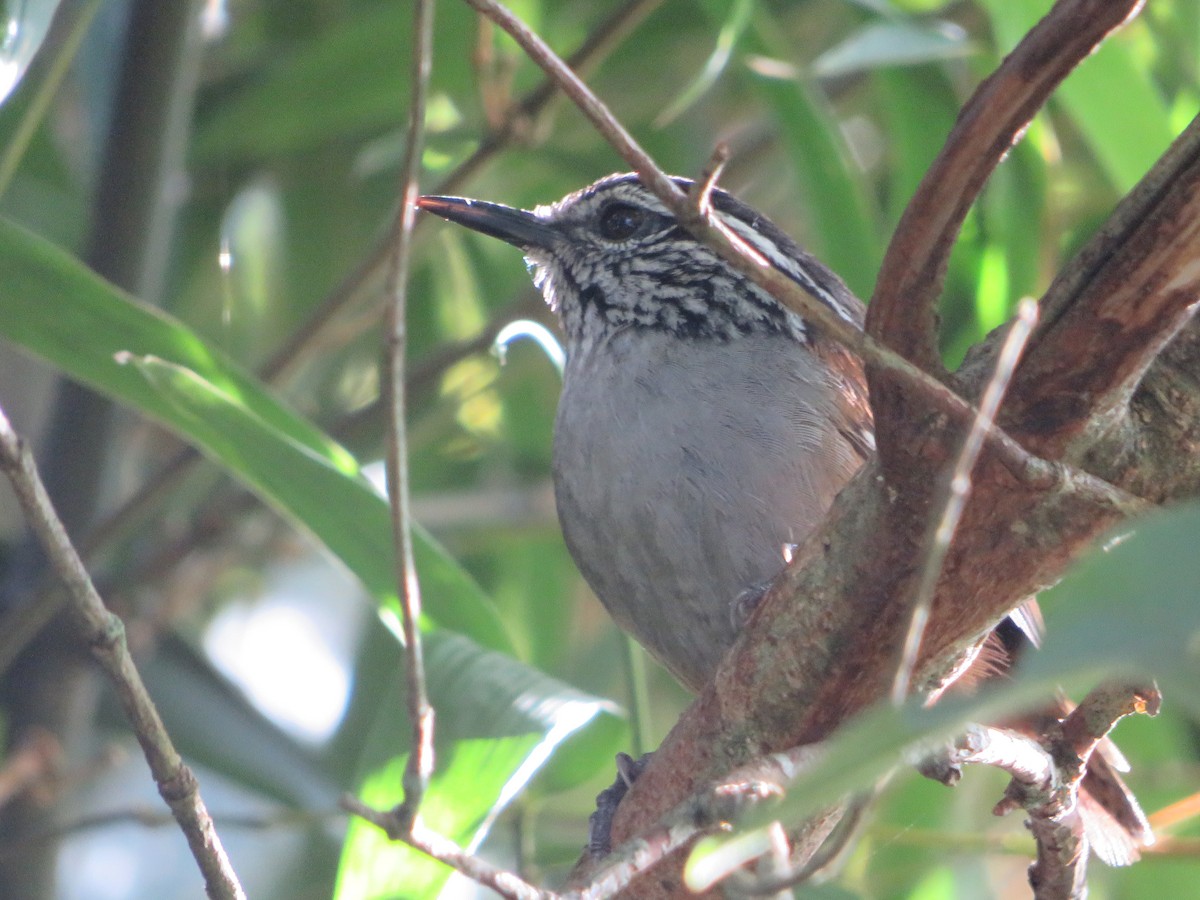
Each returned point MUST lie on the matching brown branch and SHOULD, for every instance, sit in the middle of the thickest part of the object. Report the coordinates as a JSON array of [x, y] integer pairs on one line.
[[419, 767], [435, 846], [902, 313], [816, 650], [105, 635], [1051, 794], [1060, 872], [783, 684], [1111, 312]]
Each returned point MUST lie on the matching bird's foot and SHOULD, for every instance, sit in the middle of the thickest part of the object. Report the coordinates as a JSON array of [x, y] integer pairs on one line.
[[600, 822]]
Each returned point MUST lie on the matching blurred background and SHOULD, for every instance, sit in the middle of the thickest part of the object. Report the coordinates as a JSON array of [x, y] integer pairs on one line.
[[234, 164]]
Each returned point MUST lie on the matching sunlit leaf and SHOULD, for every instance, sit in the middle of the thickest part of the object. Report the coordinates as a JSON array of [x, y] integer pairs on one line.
[[498, 724]]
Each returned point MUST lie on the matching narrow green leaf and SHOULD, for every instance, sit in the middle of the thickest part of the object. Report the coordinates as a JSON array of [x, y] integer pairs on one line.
[[55, 307], [499, 720], [1130, 608], [727, 38]]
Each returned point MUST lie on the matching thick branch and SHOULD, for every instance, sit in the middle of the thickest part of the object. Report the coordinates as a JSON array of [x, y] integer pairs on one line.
[[903, 311], [1111, 312]]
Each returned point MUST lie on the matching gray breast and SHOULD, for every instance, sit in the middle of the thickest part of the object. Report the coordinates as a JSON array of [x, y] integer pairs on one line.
[[681, 470]]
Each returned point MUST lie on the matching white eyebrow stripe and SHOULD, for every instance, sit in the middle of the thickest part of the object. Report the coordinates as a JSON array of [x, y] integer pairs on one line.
[[787, 265]]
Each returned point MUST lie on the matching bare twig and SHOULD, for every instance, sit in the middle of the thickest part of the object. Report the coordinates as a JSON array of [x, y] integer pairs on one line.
[[1046, 780], [700, 193], [902, 313], [420, 758], [955, 494], [506, 884], [1114, 307], [1055, 820], [105, 634]]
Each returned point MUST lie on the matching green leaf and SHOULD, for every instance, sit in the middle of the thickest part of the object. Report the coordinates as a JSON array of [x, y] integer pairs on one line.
[[55, 307], [844, 236], [499, 720], [727, 38], [1130, 609], [893, 43], [344, 81], [488, 750]]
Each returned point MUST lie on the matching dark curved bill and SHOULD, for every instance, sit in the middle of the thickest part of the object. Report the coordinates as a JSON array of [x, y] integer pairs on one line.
[[516, 226]]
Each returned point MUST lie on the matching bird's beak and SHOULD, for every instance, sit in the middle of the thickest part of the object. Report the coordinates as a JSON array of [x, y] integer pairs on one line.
[[516, 226]]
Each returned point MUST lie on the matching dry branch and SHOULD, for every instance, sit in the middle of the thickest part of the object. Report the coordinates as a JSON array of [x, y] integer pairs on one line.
[[104, 633]]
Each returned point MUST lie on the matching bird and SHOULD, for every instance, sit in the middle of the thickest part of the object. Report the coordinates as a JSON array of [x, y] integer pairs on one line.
[[703, 429]]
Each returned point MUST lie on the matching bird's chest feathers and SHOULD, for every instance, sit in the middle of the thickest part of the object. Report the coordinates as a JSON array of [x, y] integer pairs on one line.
[[681, 435]]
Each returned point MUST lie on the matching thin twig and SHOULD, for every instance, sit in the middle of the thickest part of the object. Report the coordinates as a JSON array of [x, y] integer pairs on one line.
[[420, 758], [105, 634], [956, 492], [700, 193], [435, 846], [1046, 778]]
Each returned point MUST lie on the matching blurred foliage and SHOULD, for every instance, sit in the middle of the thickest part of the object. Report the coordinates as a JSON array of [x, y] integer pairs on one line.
[[833, 110]]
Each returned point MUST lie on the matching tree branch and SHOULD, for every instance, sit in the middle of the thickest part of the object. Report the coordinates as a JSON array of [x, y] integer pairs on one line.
[[105, 635], [419, 767], [903, 312]]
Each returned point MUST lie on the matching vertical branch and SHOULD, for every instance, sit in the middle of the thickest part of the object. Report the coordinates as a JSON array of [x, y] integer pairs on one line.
[[420, 758], [956, 492]]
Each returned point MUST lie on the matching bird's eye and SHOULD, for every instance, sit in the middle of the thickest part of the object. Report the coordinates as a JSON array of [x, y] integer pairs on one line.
[[620, 221]]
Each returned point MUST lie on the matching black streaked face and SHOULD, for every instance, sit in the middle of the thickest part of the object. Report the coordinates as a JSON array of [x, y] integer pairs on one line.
[[611, 257]]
